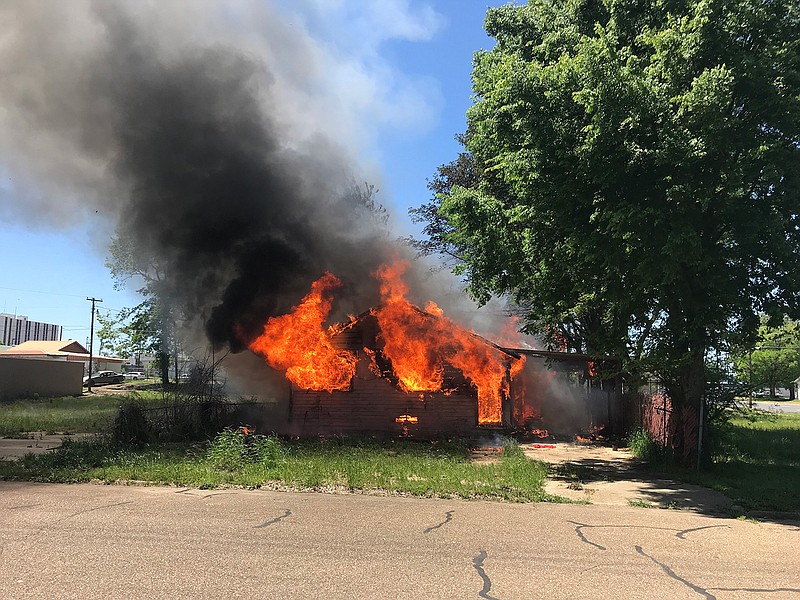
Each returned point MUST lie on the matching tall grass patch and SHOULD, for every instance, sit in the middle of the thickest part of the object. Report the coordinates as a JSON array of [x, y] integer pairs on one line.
[[441, 469], [66, 414], [756, 461]]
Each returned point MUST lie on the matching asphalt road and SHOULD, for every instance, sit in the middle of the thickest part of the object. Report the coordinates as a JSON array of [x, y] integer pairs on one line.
[[93, 541], [777, 406]]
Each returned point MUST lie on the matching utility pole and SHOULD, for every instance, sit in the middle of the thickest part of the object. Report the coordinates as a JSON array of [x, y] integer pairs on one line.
[[91, 343]]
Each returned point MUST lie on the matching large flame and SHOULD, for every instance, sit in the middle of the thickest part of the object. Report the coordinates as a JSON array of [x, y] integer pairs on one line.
[[298, 344], [419, 343]]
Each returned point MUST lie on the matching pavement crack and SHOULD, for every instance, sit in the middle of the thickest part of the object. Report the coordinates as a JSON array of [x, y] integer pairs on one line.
[[580, 526], [190, 492], [88, 510], [287, 513], [757, 590], [583, 538], [677, 577], [44, 526], [477, 562], [448, 517], [682, 534]]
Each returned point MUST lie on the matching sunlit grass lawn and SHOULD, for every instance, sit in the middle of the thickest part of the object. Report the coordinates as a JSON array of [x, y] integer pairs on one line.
[[67, 414], [439, 469], [757, 462]]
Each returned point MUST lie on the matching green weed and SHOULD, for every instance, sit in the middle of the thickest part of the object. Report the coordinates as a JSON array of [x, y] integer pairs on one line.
[[233, 448], [642, 445], [67, 414]]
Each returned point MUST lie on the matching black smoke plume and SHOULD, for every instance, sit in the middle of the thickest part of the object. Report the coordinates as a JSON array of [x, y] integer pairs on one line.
[[188, 140]]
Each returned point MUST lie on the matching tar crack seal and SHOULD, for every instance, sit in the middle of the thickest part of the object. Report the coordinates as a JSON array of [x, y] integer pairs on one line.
[[477, 562], [675, 576], [448, 517], [287, 513]]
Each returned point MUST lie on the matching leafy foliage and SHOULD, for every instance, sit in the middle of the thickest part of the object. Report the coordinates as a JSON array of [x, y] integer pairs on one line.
[[775, 361], [639, 175], [132, 332], [150, 326]]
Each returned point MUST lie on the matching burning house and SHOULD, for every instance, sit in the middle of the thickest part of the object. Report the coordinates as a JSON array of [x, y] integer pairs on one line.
[[382, 398], [397, 369]]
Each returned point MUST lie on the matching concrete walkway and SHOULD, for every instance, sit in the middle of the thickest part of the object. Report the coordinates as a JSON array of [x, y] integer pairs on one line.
[[602, 475], [36, 442]]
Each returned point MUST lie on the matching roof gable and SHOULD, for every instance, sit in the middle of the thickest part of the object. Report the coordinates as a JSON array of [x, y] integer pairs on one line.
[[46, 347]]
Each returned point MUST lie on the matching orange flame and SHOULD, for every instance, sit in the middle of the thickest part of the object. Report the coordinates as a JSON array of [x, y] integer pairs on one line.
[[298, 344], [407, 419], [419, 343]]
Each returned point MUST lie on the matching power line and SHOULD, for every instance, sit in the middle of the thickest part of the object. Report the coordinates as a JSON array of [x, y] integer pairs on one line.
[[40, 292]]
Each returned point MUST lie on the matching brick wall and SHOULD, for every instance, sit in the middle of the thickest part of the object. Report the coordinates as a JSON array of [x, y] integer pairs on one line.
[[372, 405]]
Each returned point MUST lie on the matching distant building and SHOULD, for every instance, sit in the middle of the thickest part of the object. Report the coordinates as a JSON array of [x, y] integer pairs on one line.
[[62, 350], [16, 329]]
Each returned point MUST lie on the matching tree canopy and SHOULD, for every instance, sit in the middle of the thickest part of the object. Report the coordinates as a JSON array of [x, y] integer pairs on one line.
[[150, 326], [775, 360], [639, 170]]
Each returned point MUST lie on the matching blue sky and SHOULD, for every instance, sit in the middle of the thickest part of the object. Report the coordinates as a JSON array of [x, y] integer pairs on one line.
[[420, 53]]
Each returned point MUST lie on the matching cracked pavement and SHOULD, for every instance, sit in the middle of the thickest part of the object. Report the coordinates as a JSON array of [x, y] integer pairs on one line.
[[94, 541]]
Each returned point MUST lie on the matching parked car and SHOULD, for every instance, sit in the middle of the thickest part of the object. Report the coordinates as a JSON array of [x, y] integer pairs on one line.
[[104, 377], [134, 375]]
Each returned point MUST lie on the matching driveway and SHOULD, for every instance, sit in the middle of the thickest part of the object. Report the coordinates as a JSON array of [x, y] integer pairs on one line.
[[94, 541], [777, 406], [603, 475]]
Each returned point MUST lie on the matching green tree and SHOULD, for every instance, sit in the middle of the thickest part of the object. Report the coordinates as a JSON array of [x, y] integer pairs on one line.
[[151, 326], [640, 174], [132, 333], [774, 362]]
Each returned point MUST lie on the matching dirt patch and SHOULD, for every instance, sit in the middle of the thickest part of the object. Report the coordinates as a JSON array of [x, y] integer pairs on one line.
[[562, 452], [485, 456], [111, 389]]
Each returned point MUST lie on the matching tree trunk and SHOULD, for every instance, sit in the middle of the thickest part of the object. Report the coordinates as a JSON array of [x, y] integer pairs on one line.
[[686, 392], [163, 365]]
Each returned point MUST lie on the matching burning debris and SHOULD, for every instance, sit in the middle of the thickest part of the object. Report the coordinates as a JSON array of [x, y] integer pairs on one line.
[[591, 435]]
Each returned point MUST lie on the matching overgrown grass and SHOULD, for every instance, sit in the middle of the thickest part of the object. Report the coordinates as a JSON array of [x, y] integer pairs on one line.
[[641, 445], [440, 469], [756, 462], [67, 414]]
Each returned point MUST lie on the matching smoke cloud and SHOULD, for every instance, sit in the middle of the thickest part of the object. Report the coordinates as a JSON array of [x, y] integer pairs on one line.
[[218, 139]]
